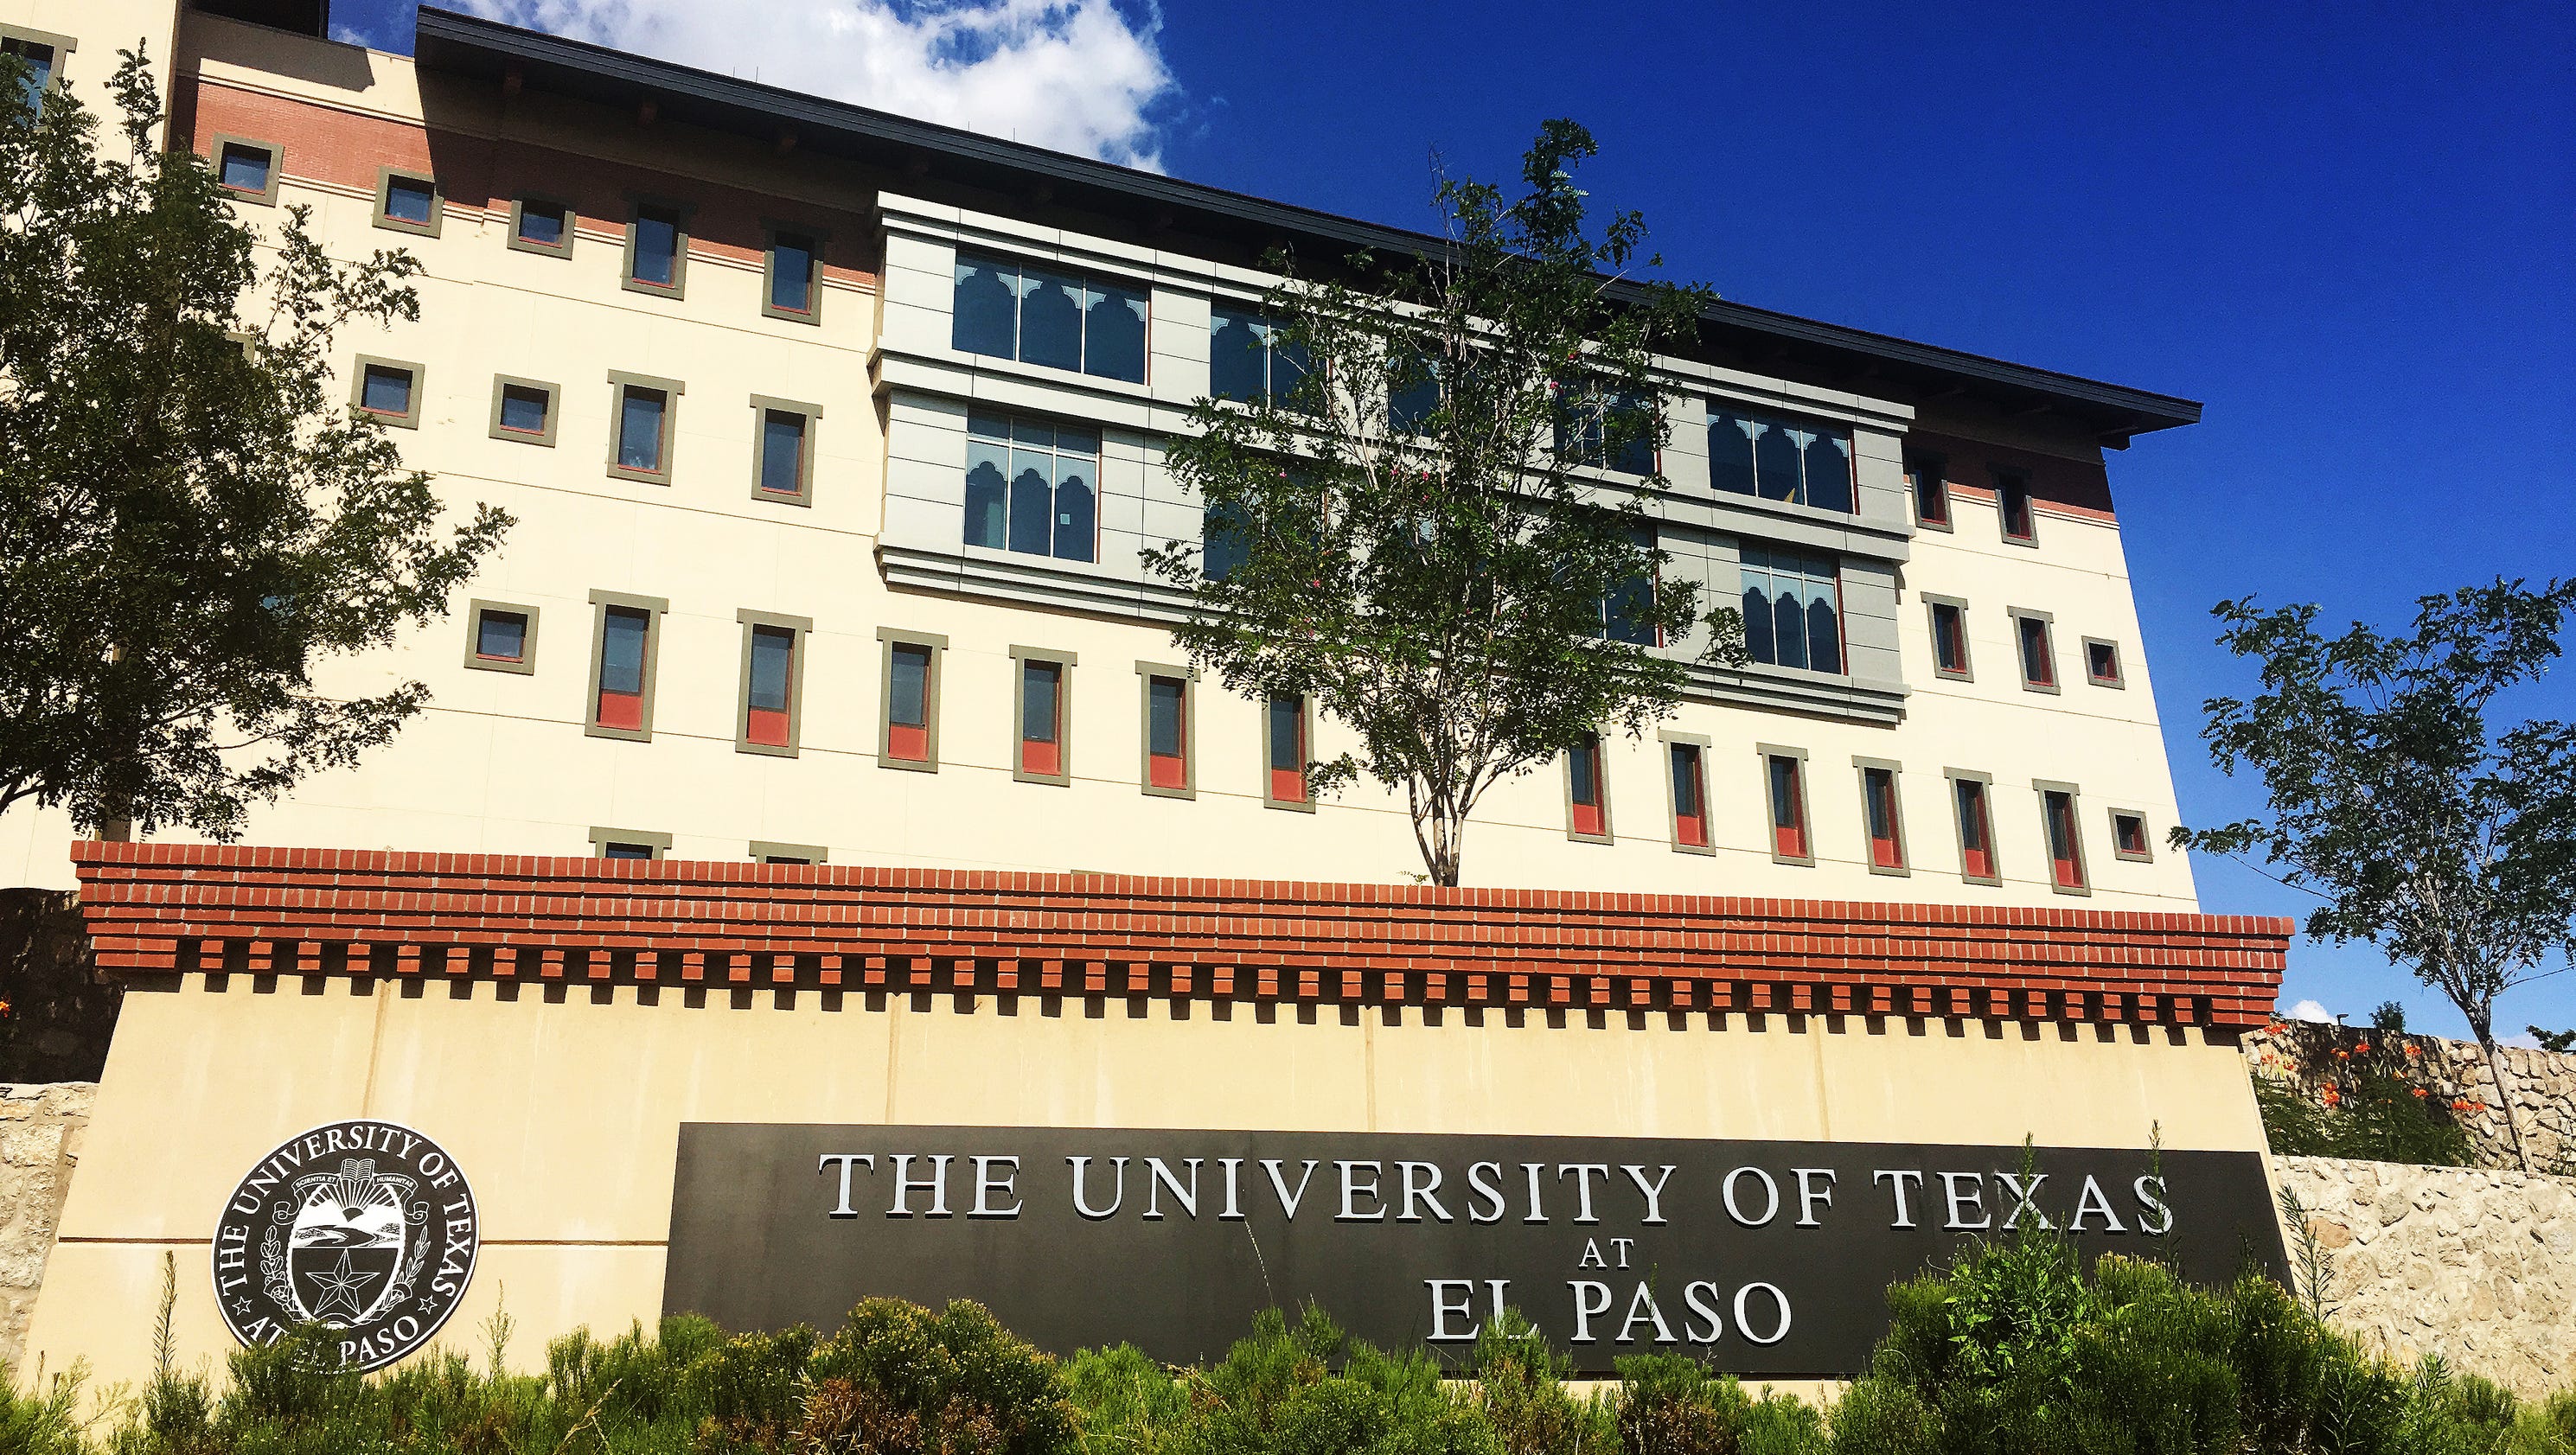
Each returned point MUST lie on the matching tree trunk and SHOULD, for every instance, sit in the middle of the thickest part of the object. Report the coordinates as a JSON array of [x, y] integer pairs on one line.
[[2484, 1025]]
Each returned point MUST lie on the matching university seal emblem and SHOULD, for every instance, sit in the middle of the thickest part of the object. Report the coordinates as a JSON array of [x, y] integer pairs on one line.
[[364, 1227]]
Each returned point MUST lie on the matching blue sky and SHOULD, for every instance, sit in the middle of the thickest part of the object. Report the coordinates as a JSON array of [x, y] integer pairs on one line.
[[2347, 229]]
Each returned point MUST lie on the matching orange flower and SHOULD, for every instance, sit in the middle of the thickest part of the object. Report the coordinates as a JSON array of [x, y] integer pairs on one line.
[[2330, 1096], [2363, 1048], [2414, 1050], [2343, 1055], [2419, 1093]]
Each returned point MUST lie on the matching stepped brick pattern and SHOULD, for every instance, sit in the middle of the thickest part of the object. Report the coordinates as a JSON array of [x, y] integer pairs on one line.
[[159, 909]]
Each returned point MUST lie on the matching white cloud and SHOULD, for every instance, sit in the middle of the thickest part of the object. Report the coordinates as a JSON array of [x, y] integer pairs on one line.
[[1071, 75], [2309, 1010]]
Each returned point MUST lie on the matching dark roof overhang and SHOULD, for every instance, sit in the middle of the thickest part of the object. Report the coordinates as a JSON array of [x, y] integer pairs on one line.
[[1770, 342]]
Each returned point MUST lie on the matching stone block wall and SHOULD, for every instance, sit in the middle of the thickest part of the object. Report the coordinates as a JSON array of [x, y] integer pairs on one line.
[[2477, 1266], [40, 1133], [2540, 1084]]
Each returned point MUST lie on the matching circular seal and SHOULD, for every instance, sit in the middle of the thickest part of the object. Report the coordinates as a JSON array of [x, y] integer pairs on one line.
[[365, 1227]]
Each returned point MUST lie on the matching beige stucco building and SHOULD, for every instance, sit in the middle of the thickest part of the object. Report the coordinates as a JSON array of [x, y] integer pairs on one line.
[[801, 520]]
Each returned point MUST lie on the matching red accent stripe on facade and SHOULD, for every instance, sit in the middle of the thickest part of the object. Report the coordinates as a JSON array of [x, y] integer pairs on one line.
[[156, 909]]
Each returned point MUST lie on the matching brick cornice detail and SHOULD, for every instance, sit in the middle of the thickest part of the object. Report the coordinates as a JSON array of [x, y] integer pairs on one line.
[[161, 909]]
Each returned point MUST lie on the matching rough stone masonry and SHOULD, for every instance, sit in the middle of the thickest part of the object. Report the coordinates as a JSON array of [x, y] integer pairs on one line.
[[40, 1131]]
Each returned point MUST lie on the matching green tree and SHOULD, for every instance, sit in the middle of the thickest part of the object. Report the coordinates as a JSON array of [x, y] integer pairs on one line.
[[1407, 522], [2450, 848], [190, 522]]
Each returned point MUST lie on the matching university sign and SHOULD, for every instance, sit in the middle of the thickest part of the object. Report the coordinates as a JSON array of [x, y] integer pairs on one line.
[[1772, 1258]]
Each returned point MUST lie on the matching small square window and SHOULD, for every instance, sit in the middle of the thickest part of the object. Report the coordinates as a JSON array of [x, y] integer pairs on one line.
[[657, 249], [1042, 755], [538, 226], [635, 844], [909, 736], [793, 287], [2102, 663], [1785, 774], [783, 454], [640, 425], [1949, 638], [1587, 796], [247, 169], [2129, 837], [388, 390], [503, 637], [1286, 730], [407, 202], [523, 410], [2037, 654]]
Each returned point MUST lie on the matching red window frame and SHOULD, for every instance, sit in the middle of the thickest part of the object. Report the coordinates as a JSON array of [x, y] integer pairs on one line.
[[1932, 508], [2093, 672], [618, 709], [1976, 829], [2032, 631], [1042, 750], [1690, 794], [2013, 506], [1878, 806], [1787, 788], [909, 741], [1168, 770], [1584, 790], [481, 655], [1949, 638], [768, 726], [2065, 847], [1288, 758], [2129, 834]]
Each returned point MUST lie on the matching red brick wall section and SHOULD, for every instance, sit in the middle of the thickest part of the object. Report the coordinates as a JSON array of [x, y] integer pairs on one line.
[[158, 909]]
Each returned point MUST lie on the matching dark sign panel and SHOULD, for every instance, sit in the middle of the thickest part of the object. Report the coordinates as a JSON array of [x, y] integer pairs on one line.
[[1771, 1258]]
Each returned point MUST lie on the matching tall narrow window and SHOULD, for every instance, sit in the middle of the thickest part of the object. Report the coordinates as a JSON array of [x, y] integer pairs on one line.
[[783, 461], [622, 665], [1787, 776], [1690, 794], [657, 249], [1041, 757], [1167, 730], [1949, 637], [770, 651], [1976, 828], [1626, 612], [2012, 501], [1031, 486], [1779, 459], [1225, 540], [911, 728], [1587, 800], [1792, 608], [792, 292], [2065, 845], [1250, 358], [1283, 730], [2038, 655], [640, 446], [1879, 811], [1926, 476], [1050, 317]]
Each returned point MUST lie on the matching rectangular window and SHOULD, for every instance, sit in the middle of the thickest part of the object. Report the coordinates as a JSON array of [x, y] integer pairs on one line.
[[2012, 501], [407, 202], [771, 682], [657, 249], [1626, 609], [1225, 540], [1587, 797], [783, 461], [2129, 837], [1779, 459], [1283, 731], [633, 844], [1787, 782], [39, 58], [538, 226], [390, 391], [1690, 794], [2038, 655], [501, 637], [768, 853], [1792, 608], [523, 410], [1885, 823], [1587, 421], [640, 421], [911, 727], [1927, 477], [1976, 827], [1250, 359], [625, 849], [1949, 637], [1031, 486], [1041, 755], [2065, 846], [622, 665], [791, 291], [1167, 730], [1413, 394], [2102, 662], [1049, 317], [247, 169]]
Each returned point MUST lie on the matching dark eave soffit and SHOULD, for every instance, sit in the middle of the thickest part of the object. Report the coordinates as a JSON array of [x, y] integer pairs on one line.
[[1776, 342]]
